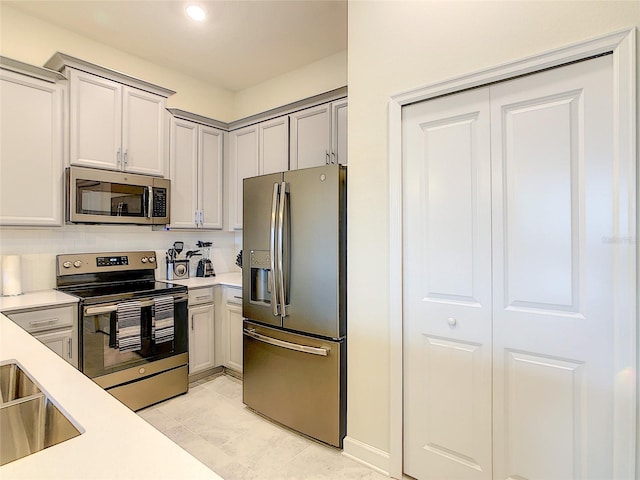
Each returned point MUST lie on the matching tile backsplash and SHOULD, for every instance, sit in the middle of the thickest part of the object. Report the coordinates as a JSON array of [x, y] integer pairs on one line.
[[39, 247]]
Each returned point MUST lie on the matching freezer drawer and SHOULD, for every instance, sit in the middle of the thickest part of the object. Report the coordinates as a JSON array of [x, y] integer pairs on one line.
[[296, 380]]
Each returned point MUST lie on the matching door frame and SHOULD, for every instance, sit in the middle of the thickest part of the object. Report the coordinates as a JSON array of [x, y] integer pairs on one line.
[[622, 45]]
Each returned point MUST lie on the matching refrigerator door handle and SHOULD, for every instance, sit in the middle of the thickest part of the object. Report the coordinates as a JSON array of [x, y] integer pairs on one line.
[[281, 343], [272, 250], [281, 212]]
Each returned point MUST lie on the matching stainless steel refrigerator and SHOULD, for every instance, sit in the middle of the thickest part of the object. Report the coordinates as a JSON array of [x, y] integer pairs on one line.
[[294, 299]]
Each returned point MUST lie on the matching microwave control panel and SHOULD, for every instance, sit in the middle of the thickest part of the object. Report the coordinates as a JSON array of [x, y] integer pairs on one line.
[[159, 202]]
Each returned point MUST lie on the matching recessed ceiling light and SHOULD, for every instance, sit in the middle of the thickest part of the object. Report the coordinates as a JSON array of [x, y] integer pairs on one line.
[[196, 12]]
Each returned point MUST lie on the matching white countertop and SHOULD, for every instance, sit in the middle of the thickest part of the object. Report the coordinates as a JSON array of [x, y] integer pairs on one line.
[[231, 279], [44, 298], [115, 443]]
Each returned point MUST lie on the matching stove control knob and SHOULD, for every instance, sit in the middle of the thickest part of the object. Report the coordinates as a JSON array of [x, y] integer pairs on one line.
[[152, 259], [77, 263], [67, 264], [144, 260]]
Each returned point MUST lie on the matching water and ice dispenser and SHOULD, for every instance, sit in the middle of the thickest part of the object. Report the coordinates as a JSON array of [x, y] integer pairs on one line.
[[260, 268]]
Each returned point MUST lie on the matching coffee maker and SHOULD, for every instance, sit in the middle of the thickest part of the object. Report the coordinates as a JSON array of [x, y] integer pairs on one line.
[[205, 267]]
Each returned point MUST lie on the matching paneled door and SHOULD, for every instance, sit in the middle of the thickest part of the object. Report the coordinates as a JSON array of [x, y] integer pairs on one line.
[[509, 282], [553, 273], [447, 288]]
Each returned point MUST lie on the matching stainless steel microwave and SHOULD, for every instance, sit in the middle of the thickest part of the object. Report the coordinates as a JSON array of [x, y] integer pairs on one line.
[[102, 196]]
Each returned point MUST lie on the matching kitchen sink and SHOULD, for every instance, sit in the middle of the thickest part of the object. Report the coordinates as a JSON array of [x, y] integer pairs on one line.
[[29, 420]]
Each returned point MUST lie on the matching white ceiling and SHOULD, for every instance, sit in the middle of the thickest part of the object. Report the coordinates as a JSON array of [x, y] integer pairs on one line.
[[241, 44]]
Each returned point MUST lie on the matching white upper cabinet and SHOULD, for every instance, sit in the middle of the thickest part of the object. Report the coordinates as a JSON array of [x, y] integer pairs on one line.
[[339, 132], [210, 187], [311, 137], [319, 135], [196, 175], [183, 159], [115, 126], [306, 138], [274, 145], [257, 150], [143, 121], [244, 164], [116, 122], [31, 148]]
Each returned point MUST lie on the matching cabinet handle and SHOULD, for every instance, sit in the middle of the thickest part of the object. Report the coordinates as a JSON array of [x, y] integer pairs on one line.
[[195, 217], [38, 323], [119, 156], [192, 322], [236, 296], [126, 158], [327, 160], [333, 157], [70, 343], [202, 296]]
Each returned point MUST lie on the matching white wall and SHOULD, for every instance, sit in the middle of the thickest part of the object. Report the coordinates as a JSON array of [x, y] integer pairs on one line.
[[318, 77], [33, 41], [395, 46]]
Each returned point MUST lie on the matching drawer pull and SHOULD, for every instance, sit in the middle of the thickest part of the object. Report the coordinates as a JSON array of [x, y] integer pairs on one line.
[[39, 323], [203, 297]]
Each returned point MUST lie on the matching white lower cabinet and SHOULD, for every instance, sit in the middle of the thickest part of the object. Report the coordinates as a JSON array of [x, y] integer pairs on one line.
[[56, 327], [201, 330], [234, 313], [62, 342], [233, 328]]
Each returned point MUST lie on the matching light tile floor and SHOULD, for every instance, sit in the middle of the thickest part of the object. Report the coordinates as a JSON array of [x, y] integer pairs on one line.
[[212, 424]]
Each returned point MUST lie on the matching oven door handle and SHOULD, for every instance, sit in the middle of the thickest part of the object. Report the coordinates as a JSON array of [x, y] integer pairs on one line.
[[89, 311]]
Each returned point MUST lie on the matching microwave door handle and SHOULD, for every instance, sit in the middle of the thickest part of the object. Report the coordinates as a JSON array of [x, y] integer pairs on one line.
[[149, 201], [272, 249]]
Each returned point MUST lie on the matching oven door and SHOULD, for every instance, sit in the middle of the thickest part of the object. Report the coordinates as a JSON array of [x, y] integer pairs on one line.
[[100, 352]]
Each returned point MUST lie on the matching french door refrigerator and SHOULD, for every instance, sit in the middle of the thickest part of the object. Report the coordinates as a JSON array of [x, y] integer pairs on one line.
[[294, 299]]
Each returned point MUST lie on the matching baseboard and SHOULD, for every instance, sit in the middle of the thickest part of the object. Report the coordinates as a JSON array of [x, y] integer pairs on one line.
[[233, 373], [370, 456], [206, 373]]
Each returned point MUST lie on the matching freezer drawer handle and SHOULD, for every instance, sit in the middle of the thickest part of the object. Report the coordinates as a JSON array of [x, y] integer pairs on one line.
[[281, 343]]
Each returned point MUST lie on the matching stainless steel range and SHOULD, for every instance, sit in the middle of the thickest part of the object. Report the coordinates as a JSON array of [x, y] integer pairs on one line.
[[133, 329]]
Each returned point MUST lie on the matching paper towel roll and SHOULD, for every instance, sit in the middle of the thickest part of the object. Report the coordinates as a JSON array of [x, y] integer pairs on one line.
[[11, 282]]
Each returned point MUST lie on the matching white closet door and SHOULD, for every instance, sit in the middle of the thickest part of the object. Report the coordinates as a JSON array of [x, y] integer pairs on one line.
[[553, 272], [511, 281], [447, 287]]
